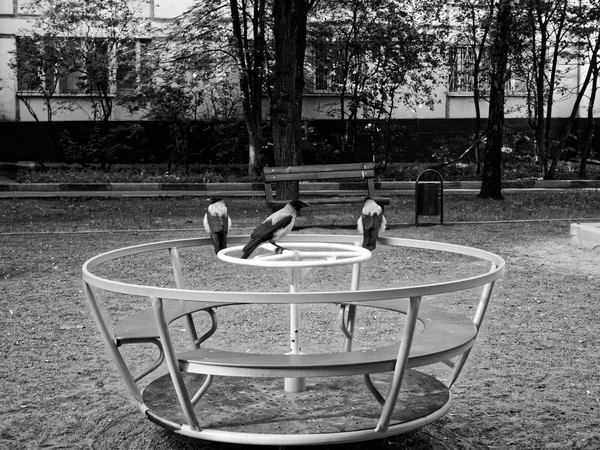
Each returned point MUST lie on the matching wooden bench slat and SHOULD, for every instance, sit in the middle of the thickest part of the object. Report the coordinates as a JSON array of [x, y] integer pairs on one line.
[[301, 176], [320, 168], [333, 200]]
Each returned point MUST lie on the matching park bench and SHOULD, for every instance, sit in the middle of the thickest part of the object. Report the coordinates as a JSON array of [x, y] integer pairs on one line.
[[350, 173]]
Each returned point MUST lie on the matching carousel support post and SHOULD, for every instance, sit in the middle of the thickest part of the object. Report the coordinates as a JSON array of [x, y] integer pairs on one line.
[[295, 384]]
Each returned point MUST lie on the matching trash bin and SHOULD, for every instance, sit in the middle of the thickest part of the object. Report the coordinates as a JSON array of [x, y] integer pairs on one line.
[[429, 195]]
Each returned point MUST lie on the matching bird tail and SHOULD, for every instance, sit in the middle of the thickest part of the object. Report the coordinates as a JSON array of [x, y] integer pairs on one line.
[[248, 249], [370, 232], [219, 241], [369, 241]]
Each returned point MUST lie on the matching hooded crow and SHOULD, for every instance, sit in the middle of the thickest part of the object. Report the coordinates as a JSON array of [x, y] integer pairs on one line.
[[274, 228], [217, 223], [371, 223]]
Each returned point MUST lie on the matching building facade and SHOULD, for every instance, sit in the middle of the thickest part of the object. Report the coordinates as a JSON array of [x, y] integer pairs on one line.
[[23, 112]]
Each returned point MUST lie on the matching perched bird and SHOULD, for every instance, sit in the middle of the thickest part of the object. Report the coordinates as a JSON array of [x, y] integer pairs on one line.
[[274, 228], [371, 223], [217, 223]]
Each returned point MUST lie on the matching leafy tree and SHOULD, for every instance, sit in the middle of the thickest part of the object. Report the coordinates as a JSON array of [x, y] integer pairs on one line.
[[209, 66], [491, 184], [545, 28], [378, 54], [177, 91], [472, 22], [587, 42], [37, 65], [76, 47]]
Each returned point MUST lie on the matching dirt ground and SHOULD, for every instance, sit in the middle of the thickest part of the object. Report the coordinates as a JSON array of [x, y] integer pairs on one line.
[[531, 381]]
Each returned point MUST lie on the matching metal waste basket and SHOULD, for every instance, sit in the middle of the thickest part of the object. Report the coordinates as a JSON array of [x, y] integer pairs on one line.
[[429, 195]]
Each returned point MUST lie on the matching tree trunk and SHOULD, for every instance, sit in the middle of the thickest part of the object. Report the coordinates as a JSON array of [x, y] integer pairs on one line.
[[251, 74], [588, 134], [575, 109], [491, 185], [286, 104], [539, 66]]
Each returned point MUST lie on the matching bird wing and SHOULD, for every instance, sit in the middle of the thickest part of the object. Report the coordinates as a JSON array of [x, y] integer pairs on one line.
[[269, 228], [215, 224], [272, 229], [205, 223], [368, 221]]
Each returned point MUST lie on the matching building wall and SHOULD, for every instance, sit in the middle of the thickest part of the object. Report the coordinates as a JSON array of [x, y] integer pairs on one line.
[[451, 107]]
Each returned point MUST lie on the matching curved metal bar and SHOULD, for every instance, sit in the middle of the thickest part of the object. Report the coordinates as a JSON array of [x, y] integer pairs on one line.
[[342, 321], [178, 274], [176, 377], [401, 364], [110, 345], [202, 390], [349, 326], [155, 365], [213, 328], [477, 320], [299, 297], [373, 390], [337, 254]]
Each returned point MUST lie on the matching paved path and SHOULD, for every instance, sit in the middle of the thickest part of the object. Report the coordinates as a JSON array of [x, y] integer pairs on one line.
[[11, 189]]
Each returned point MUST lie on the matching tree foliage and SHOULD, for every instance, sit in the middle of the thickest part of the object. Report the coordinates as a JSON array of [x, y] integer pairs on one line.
[[471, 25], [377, 55], [543, 57], [72, 52]]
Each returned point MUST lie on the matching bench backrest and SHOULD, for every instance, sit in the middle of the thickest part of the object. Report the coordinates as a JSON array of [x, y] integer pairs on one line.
[[319, 172], [364, 171]]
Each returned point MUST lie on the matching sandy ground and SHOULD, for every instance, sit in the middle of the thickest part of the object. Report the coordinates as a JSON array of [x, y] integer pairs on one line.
[[531, 382]]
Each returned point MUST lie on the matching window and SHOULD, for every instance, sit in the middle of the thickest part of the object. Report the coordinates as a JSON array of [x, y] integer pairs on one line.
[[77, 66], [323, 72], [35, 65], [461, 69], [462, 64], [131, 64]]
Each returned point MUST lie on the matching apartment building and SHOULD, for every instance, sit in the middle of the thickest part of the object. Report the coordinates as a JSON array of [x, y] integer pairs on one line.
[[25, 109]]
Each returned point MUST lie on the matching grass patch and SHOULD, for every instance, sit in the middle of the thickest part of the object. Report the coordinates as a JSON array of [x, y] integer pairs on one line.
[[512, 170]]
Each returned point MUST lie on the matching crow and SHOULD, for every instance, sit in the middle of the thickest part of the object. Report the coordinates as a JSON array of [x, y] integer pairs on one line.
[[371, 223], [274, 228], [217, 223]]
